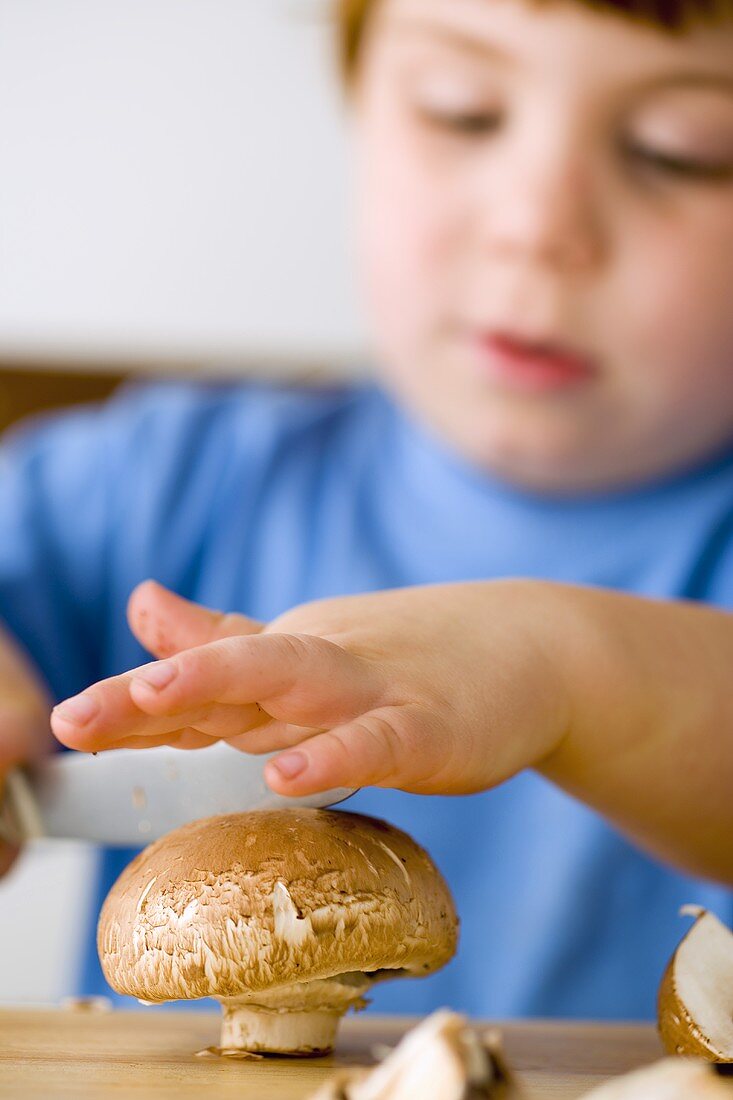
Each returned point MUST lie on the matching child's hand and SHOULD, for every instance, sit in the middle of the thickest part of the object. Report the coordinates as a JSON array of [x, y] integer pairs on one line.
[[623, 702], [444, 689], [24, 711]]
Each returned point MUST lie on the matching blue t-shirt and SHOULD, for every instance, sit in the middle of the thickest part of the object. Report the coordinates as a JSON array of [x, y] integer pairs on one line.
[[256, 499]]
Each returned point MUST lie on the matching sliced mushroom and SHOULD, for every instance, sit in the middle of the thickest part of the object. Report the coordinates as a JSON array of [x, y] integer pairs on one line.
[[286, 917], [695, 1003], [670, 1079], [440, 1059]]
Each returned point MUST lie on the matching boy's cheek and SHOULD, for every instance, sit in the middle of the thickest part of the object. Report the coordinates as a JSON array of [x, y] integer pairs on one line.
[[395, 261], [406, 241], [678, 320]]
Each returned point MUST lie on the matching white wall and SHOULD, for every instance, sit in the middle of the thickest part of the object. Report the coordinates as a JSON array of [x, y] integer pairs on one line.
[[171, 187], [172, 181], [44, 905]]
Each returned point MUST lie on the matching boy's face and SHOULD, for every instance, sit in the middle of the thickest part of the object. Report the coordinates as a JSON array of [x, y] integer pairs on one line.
[[546, 225]]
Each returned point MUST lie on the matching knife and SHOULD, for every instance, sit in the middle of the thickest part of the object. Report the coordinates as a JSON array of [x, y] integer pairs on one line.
[[128, 797]]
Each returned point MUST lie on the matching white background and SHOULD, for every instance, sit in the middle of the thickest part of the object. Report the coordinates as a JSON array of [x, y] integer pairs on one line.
[[172, 181]]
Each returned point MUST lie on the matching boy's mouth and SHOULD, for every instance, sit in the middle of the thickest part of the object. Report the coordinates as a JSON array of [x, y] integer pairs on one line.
[[530, 367]]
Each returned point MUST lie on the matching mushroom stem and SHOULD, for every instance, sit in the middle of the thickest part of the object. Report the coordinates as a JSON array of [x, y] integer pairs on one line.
[[246, 1027], [298, 1018]]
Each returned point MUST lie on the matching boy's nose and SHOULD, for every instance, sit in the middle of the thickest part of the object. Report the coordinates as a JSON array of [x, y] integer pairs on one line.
[[546, 210]]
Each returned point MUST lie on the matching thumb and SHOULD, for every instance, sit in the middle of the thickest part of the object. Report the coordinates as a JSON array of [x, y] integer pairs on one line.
[[166, 623]]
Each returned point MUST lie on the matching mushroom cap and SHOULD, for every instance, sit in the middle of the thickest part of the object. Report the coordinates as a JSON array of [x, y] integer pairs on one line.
[[250, 902]]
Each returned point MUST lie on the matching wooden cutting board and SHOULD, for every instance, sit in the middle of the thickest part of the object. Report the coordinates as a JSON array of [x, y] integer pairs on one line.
[[53, 1053]]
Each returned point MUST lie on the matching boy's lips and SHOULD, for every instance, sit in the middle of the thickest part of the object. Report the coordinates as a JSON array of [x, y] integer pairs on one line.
[[528, 366]]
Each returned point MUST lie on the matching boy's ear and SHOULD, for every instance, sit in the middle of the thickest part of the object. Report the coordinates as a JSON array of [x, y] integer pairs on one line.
[[166, 623]]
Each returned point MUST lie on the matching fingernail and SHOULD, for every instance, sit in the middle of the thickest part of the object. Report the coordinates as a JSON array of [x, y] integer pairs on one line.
[[157, 676], [291, 764], [79, 710]]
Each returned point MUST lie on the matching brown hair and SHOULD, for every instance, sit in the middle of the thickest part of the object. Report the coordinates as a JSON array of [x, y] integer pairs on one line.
[[671, 15]]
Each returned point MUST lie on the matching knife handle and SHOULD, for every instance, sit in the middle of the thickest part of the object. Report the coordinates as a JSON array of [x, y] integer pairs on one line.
[[20, 819]]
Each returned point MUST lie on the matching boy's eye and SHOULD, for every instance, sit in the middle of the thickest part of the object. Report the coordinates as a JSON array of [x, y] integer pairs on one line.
[[457, 104], [679, 166], [462, 123]]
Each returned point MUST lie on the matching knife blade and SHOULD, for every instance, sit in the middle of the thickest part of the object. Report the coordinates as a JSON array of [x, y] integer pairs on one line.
[[126, 798]]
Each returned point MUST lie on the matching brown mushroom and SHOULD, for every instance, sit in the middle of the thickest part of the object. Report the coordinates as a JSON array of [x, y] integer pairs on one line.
[[286, 917], [695, 1003]]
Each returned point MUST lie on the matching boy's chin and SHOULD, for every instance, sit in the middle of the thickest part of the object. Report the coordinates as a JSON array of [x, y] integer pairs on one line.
[[547, 458], [526, 451], [585, 445], [582, 463], [533, 471]]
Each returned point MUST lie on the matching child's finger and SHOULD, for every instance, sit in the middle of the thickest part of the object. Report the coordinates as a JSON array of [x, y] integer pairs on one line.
[[295, 677], [191, 739], [186, 738], [391, 747], [101, 715], [166, 623], [216, 722], [104, 715], [138, 743], [272, 736]]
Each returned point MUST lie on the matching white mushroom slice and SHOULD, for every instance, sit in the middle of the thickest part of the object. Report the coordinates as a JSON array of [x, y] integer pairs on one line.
[[670, 1079], [695, 1004], [285, 916], [441, 1059]]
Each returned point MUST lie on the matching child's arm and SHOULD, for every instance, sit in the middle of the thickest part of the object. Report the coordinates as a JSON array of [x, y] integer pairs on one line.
[[625, 703]]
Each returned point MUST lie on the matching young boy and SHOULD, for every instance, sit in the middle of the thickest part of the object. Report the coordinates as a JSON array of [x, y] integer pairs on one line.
[[546, 220]]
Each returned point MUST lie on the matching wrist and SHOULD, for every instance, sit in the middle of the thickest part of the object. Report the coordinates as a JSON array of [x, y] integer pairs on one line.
[[557, 628], [531, 680], [600, 677]]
